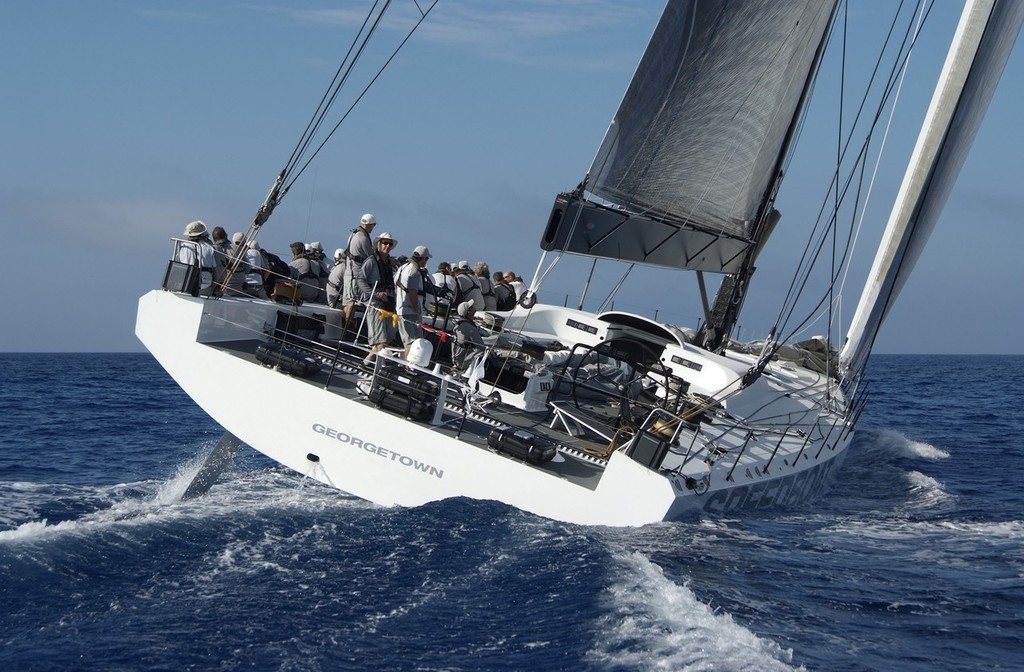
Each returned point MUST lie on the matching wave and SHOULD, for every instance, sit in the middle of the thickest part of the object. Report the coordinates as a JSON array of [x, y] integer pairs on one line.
[[927, 492], [924, 450], [133, 505], [893, 442], [884, 472], [653, 623], [941, 534], [1009, 530], [892, 450]]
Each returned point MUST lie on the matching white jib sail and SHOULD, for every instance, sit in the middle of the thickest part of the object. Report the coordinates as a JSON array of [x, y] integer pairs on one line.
[[979, 51]]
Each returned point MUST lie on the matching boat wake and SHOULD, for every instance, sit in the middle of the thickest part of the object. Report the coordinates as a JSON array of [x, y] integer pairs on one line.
[[887, 471], [654, 623], [80, 511], [906, 447], [345, 575], [928, 494]]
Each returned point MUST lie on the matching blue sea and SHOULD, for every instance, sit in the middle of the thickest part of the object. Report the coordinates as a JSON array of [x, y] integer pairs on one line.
[[914, 561]]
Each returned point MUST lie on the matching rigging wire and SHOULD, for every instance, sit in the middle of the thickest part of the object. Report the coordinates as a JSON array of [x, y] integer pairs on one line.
[[812, 251], [861, 161], [423, 16], [806, 261], [331, 93], [615, 290], [881, 149], [839, 157], [291, 172], [298, 162]]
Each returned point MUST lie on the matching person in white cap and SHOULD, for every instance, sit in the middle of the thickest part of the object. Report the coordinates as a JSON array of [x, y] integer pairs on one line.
[[468, 286], [323, 268], [198, 251], [376, 282], [409, 289], [235, 284], [359, 248], [468, 339], [257, 275], [336, 278]]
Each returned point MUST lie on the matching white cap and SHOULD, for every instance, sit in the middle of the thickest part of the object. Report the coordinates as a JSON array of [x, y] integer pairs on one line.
[[253, 245], [316, 245], [464, 264], [339, 253], [386, 236], [464, 308], [237, 237], [421, 252], [368, 218], [196, 228]]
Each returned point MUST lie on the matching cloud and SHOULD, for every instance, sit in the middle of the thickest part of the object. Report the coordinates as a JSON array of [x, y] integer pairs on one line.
[[172, 15], [510, 32], [90, 223]]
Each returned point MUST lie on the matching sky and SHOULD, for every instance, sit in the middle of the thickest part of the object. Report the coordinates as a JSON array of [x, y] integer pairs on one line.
[[123, 120]]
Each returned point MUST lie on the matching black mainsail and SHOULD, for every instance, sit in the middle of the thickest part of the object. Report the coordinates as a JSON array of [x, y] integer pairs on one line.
[[688, 167]]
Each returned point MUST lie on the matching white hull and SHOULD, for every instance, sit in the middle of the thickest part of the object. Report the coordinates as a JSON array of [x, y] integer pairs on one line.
[[335, 436]]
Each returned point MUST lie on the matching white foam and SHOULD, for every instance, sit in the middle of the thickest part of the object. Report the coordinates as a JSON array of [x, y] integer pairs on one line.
[[17, 502], [928, 490], [1008, 530], [127, 513], [899, 443], [174, 488], [942, 535], [246, 493], [656, 624], [925, 451], [24, 531]]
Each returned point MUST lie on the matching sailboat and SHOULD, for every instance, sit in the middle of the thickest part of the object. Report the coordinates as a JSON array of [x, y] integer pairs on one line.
[[607, 417]]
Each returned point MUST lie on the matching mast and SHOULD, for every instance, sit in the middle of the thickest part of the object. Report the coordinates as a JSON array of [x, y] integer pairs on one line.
[[979, 51]]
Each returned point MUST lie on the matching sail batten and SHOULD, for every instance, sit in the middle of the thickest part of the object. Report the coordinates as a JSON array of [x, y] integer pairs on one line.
[[982, 44]]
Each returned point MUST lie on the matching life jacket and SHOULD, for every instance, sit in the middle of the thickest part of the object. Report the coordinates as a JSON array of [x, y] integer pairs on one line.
[[317, 257], [428, 283], [312, 270], [505, 296], [463, 286], [207, 273], [347, 256]]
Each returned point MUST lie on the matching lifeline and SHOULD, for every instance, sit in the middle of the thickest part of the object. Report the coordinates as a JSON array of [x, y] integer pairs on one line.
[[404, 460]]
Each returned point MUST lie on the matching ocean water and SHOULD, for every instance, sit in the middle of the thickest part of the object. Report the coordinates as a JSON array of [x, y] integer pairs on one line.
[[914, 561]]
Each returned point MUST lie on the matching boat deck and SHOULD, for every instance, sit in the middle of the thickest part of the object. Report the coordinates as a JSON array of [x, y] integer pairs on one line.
[[343, 374]]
